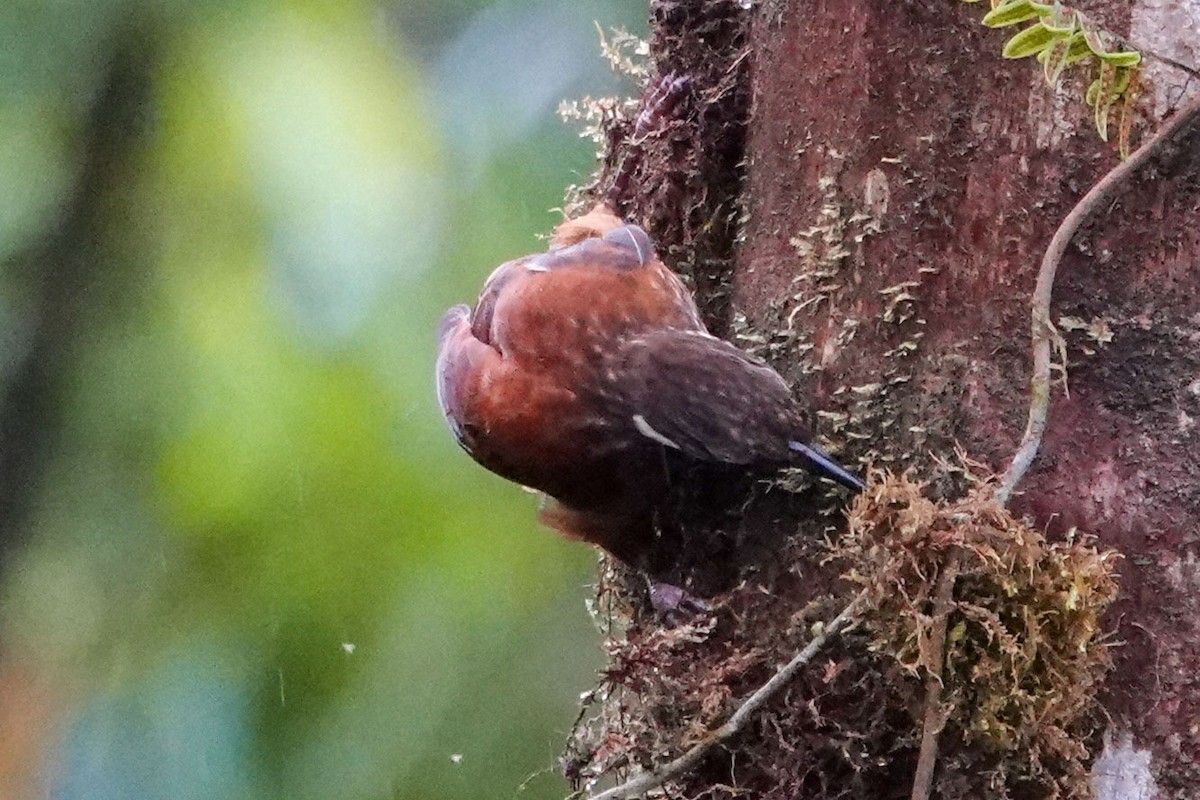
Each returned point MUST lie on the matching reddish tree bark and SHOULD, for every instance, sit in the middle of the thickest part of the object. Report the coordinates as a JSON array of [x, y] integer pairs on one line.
[[944, 170]]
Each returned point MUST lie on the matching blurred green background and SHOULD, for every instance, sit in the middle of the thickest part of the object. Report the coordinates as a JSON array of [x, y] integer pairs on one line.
[[241, 557]]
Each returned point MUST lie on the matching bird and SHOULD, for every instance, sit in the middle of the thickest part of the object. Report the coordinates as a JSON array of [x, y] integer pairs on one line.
[[586, 373]]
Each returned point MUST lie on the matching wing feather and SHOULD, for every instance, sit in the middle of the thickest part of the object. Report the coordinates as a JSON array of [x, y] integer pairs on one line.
[[706, 398]]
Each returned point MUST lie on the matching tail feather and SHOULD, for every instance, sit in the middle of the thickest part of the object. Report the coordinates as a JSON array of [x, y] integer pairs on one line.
[[823, 464]]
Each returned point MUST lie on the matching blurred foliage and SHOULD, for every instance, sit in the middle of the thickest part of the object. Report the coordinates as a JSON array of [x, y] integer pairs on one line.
[[242, 558]]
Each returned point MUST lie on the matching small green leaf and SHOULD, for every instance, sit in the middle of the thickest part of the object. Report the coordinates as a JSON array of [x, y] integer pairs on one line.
[[1124, 58], [1054, 60], [1029, 42], [1093, 91], [1079, 48], [1097, 40], [1062, 20], [1106, 75], [1014, 12], [1111, 83], [1121, 82], [1125, 121]]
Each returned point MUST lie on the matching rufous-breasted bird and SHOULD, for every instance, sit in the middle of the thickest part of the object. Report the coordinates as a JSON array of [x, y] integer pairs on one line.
[[585, 372]]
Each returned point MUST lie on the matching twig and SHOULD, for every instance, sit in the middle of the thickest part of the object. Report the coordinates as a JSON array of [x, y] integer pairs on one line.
[[1043, 329], [935, 717], [646, 781]]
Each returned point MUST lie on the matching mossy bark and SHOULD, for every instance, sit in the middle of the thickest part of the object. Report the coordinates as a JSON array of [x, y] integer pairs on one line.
[[965, 163], [873, 187]]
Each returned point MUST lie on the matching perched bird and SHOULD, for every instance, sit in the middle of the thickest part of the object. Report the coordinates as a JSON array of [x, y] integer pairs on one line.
[[585, 372]]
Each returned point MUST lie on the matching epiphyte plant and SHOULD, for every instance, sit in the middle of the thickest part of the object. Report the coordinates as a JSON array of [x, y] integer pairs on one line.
[[1061, 36]]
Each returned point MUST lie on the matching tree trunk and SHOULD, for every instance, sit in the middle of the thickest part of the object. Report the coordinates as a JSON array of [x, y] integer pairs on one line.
[[899, 184]]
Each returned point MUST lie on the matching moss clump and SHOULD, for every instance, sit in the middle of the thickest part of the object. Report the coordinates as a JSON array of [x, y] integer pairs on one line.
[[1024, 650]]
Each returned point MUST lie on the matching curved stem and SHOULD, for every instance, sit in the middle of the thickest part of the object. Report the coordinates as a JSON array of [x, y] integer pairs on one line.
[[647, 781], [1043, 329]]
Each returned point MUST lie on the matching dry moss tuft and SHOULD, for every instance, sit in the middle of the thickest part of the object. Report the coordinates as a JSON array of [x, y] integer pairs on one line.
[[1024, 651]]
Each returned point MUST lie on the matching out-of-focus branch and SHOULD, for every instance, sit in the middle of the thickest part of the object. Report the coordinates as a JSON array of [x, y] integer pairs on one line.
[[58, 269]]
